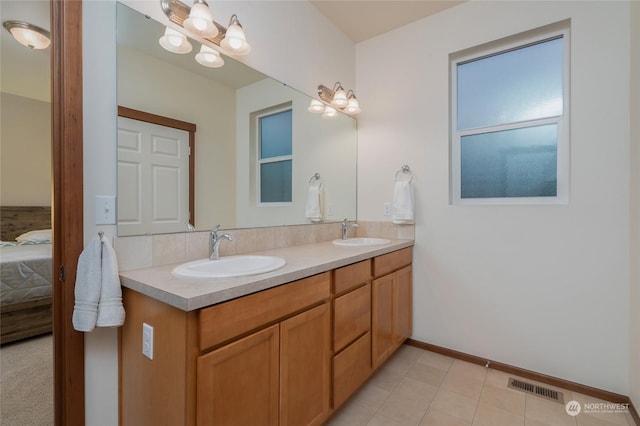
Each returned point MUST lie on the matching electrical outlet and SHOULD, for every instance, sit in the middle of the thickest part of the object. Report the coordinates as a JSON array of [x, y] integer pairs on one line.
[[147, 340], [387, 209]]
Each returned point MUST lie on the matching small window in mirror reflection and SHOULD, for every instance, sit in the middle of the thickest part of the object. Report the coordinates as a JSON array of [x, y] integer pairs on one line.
[[275, 159]]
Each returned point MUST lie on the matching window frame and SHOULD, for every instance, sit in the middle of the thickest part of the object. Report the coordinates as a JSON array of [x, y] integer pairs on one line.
[[260, 161], [554, 31]]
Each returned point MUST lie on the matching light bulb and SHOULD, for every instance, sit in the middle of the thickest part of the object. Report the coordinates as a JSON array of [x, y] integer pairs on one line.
[[234, 40], [340, 98], [353, 107], [329, 113], [200, 21], [316, 107], [175, 41], [209, 57]]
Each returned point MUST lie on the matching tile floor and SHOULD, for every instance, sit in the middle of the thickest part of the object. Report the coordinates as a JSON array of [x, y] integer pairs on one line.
[[418, 387]]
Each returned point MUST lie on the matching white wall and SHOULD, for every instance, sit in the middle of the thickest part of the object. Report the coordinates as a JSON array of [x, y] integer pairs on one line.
[[634, 294], [544, 288], [25, 151], [297, 56]]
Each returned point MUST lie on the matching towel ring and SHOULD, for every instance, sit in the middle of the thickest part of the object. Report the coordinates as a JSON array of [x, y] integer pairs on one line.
[[315, 177], [404, 170]]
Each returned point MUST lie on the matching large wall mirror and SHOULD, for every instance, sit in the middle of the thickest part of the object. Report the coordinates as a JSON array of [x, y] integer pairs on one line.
[[231, 109]]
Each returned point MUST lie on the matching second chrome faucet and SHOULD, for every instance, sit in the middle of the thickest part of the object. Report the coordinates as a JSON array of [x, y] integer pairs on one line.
[[214, 242], [346, 226]]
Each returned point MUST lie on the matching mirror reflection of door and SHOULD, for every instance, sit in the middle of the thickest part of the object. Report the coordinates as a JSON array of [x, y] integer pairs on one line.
[[153, 178]]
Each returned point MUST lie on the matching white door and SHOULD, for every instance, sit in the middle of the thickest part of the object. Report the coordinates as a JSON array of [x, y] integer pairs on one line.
[[153, 178]]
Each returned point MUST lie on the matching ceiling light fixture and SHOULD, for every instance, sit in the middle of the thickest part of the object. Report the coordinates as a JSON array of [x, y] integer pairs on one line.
[[174, 41], [197, 19], [334, 99], [28, 34]]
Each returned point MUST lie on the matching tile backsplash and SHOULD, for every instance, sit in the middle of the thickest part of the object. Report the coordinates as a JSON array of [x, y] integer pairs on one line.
[[145, 251]]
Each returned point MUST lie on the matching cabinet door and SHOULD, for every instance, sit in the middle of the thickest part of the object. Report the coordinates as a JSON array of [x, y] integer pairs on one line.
[[238, 383], [403, 302], [382, 319], [305, 371]]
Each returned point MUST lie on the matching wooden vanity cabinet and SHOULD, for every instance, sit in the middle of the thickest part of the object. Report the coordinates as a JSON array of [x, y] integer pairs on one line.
[[288, 355], [391, 314]]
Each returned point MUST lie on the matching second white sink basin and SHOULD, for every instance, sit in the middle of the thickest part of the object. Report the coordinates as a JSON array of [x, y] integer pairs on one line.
[[362, 241], [229, 266]]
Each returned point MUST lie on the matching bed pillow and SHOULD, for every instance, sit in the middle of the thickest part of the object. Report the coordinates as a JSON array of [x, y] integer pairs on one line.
[[39, 236]]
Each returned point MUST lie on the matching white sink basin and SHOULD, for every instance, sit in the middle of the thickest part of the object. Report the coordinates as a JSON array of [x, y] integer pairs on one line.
[[229, 266], [362, 241]]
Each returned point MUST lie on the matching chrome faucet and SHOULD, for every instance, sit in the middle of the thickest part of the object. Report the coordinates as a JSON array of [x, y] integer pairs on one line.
[[346, 226], [214, 242]]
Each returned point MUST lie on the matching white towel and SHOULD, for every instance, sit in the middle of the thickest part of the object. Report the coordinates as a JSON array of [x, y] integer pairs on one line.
[[314, 205], [88, 285], [110, 309], [403, 203]]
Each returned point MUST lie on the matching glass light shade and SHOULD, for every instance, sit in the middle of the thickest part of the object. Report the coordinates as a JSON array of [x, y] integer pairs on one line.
[[28, 35], [340, 98], [234, 40], [353, 107], [209, 57], [329, 113], [175, 41], [316, 107], [200, 21]]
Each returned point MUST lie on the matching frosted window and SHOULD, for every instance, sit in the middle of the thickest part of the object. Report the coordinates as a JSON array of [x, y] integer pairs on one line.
[[517, 85], [511, 163], [509, 120], [275, 135], [275, 179]]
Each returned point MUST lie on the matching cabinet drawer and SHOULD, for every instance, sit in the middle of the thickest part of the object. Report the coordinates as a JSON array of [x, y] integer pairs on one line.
[[351, 368], [352, 316], [350, 276], [389, 262], [222, 322]]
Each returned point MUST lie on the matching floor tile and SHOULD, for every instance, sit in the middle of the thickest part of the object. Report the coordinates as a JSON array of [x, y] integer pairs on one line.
[[441, 362], [408, 403], [438, 418], [487, 415], [455, 404], [547, 412], [427, 374], [504, 398], [602, 410], [461, 383]]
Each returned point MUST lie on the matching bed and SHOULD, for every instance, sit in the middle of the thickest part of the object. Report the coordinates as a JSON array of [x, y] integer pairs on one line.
[[25, 272]]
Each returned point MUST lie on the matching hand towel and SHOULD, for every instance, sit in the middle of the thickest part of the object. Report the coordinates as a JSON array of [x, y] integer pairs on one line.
[[110, 309], [403, 203], [314, 205], [88, 284]]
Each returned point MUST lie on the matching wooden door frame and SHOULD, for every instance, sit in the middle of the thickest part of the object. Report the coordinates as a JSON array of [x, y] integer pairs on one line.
[[68, 207]]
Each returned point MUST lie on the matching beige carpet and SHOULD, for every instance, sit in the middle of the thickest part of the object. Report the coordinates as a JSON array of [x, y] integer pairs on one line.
[[26, 382]]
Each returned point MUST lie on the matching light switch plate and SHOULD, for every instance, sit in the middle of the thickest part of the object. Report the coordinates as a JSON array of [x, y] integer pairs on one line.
[[147, 340], [105, 210]]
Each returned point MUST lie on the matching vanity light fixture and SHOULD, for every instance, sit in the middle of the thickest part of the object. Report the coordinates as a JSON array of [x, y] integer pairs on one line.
[[174, 41], [28, 34], [209, 57], [197, 20], [334, 99]]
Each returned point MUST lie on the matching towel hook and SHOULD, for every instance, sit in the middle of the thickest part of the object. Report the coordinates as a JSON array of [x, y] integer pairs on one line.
[[405, 170]]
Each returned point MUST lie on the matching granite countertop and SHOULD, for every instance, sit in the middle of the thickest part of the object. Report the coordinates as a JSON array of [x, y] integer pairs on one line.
[[302, 261]]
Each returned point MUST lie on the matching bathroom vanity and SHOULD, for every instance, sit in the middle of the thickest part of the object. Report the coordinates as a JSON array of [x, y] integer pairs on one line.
[[283, 348]]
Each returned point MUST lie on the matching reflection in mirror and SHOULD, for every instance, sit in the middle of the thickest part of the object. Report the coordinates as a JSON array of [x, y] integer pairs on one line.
[[240, 178]]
